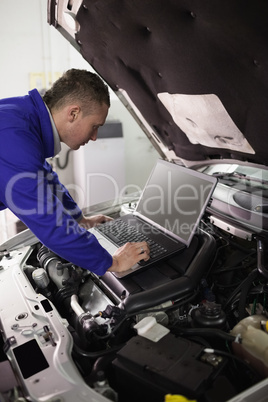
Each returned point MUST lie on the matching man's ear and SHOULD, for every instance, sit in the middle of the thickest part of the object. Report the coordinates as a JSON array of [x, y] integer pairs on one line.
[[73, 112]]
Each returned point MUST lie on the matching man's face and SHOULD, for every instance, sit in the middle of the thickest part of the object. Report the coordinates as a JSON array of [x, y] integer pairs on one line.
[[83, 128]]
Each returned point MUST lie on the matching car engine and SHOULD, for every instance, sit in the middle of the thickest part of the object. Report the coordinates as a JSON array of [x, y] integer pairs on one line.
[[195, 325]]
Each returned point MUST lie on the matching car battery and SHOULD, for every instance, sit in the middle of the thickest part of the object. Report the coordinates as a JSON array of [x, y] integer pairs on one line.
[[148, 370]]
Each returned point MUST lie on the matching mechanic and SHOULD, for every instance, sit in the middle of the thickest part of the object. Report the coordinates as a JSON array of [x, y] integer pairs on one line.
[[31, 130]]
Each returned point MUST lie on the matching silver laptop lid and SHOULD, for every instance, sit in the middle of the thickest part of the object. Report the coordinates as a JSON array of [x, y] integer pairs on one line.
[[174, 199]]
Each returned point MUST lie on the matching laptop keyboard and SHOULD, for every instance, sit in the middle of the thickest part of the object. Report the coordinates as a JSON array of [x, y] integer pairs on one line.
[[120, 233]]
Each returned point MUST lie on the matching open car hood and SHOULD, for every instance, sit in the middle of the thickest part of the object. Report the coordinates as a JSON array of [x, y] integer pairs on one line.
[[196, 324], [193, 74]]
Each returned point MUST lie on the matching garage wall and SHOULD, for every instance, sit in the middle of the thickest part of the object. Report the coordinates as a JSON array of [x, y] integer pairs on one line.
[[33, 54]]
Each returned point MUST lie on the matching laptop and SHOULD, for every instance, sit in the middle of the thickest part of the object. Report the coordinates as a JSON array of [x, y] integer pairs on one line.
[[167, 214]]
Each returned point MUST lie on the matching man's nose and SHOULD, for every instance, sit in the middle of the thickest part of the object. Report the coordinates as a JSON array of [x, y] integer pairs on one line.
[[94, 135]]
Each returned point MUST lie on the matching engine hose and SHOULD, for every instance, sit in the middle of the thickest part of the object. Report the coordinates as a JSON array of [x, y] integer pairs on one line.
[[45, 256], [64, 294], [247, 284], [96, 355], [57, 271], [236, 291], [76, 306], [101, 364], [263, 270], [207, 332]]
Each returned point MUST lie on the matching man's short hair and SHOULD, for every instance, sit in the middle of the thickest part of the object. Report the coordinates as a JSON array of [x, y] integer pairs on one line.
[[77, 86]]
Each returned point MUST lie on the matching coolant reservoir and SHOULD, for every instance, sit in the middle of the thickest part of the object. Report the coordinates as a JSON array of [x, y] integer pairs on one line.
[[254, 345]]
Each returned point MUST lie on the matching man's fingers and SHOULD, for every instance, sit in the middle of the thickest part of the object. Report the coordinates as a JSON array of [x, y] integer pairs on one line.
[[143, 250], [128, 255]]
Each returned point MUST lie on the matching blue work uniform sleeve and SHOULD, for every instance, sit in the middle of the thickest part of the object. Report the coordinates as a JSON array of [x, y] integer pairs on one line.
[[62, 193], [26, 190]]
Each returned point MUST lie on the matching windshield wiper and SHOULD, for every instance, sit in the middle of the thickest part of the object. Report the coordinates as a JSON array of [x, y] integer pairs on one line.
[[239, 175]]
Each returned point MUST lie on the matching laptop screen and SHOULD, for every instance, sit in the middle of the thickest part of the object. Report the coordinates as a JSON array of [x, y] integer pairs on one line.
[[175, 198]]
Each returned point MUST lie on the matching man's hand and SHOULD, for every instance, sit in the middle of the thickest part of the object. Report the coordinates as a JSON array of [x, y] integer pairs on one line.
[[128, 255], [91, 221]]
